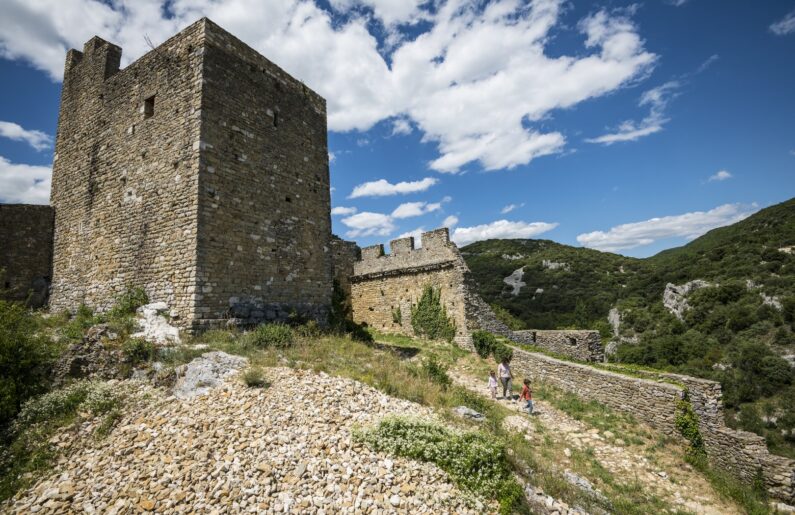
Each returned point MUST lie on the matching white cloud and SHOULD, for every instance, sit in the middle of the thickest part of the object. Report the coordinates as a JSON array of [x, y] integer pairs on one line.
[[688, 225], [706, 64], [784, 26], [340, 210], [331, 157], [24, 184], [401, 126], [416, 234], [369, 224], [500, 229], [383, 188], [657, 99], [450, 222], [720, 176], [411, 209], [676, 3], [510, 207], [475, 78], [36, 139]]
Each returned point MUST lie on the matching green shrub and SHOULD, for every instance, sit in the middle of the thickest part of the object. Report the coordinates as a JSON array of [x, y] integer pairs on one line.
[[686, 422], [475, 461], [484, 343], [270, 335], [128, 302], [92, 396], [254, 377], [502, 352], [25, 358], [397, 316], [428, 317], [138, 350], [310, 329], [83, 319], [436, 372]]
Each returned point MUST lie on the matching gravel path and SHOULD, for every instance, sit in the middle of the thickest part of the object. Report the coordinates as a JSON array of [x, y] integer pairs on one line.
[[285, 449], [669, 477]]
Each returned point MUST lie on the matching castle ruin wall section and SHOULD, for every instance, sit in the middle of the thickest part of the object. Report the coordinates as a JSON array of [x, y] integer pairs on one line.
[[25, 252], [343, 256], [264, 200], [125, 175], [653, 400], [578, 344], [384, 287]]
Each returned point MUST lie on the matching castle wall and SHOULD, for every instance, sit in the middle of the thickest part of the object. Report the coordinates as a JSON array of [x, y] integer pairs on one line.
[[383, 283], [125, 175], [25, 252], [581, 345], [264, 201], [654, 402], [343, 256]]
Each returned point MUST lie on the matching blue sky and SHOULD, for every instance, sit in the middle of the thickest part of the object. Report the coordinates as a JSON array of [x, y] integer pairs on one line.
[[628, 127]]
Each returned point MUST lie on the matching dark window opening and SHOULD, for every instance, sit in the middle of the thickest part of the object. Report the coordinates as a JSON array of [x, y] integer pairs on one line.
[[288, 199], [572, 341], [534, 336], [276, 118], [7, 285], [149, 107]]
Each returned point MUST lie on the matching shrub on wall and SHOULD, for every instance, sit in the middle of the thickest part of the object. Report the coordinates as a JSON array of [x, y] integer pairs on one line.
[[686, 422], [429, 318], [484, 343]]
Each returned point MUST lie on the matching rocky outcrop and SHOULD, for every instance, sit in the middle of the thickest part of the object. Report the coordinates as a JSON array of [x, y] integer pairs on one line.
[[554, 265], [91, 358], [206, 372], [675, 296], [515, 281], [153, 325]]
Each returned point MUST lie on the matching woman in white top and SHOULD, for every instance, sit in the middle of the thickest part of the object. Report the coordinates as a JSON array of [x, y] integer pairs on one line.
[[505, 375]]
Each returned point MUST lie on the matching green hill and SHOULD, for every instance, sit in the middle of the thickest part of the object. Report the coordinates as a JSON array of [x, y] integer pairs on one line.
[[736, 330]]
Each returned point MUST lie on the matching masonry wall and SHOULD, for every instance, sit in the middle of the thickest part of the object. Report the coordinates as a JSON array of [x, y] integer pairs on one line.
[[343, 256], [25, 252], [264, 201], [125, 184], [654, 402], [581, 345], [383, 283]]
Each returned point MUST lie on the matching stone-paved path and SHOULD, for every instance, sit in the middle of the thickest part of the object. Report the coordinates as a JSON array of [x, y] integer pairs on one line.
[[669, 477], [284, 449]]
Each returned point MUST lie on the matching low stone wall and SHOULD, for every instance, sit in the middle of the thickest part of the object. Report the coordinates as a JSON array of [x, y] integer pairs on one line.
[[581, 345], [26, 252], [653, 401]]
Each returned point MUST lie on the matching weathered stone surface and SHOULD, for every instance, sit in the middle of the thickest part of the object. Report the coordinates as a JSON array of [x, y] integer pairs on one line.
[[215, 203], [675, 296], [154, 326], [205, 372], [91, 358], [26, 252]]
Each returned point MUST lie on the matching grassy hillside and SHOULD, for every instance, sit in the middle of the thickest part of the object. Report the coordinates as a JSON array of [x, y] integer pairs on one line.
[[735, 331]]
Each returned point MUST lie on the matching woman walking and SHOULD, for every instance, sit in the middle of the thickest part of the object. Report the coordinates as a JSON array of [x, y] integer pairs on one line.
[[505, 374]]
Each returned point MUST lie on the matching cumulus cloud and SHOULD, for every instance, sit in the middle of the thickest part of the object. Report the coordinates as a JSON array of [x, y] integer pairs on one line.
[[450, 222], [401, 126], [720, 176], [510, 207], [657, 99], [688, 225], [36, 139], [340, 210], [369, 224], [500, 229], [784, 26], [411, 209], [383, 188], [24, 184], [416, 234], [474, 78]]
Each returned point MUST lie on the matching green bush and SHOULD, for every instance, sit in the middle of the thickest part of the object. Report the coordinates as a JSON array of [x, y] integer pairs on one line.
[[428, 317], [138, 350], [475, 461], [436, 372], [484, 343], [397, 316], [502, 352], [83, 319], [254, 377], [128, 302], [25, 358], [92, 396], [686, 422], [270, 335]]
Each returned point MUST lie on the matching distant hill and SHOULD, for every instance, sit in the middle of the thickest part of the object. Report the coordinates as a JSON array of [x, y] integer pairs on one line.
[[734, 324]]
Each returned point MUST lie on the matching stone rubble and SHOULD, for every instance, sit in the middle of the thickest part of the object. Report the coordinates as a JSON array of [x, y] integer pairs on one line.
[[284, 449]]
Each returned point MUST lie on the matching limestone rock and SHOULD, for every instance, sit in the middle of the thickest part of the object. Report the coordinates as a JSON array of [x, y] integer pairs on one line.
[[675, 296], [154, 326], [205, 372]]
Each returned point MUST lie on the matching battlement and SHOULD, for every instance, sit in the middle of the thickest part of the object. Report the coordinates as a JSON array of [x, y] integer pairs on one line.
[[437, 250]]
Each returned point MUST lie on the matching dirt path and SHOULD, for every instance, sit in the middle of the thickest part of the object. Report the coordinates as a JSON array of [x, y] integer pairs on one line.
[[658, 467]]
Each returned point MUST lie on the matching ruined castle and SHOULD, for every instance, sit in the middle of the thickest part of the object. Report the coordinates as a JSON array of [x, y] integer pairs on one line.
[[200, 174]]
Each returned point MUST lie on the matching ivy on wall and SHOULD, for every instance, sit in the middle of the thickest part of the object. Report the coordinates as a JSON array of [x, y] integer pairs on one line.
[[429, 318]]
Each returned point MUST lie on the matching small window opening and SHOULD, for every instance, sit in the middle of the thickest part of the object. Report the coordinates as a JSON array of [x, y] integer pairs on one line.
[[288, 199], [572, 341], [276, 118], [149, 107], [7, 285], [534, 337]]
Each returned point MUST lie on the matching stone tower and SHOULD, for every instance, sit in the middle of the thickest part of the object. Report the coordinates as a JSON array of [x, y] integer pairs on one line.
[[199, 173]]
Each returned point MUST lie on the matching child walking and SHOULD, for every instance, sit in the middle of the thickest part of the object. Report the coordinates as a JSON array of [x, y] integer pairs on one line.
[[493, 384], [527, 395]]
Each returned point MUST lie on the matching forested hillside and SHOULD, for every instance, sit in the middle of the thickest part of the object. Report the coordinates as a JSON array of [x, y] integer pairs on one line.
[[734, 324]]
